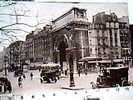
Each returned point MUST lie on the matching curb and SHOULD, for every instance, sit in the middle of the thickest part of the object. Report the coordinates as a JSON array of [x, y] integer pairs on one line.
[[72, 88]]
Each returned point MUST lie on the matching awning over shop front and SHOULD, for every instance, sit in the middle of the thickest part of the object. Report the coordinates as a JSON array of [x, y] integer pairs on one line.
[[105, 61], [118, 60], [90, 59], [36, 64], [99, 60], [92, 62]]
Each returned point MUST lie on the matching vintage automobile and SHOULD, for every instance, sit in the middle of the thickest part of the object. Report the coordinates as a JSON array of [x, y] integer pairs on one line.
[[34, 66], [112, 77], [50, 72], [5, 85], [18, 72]]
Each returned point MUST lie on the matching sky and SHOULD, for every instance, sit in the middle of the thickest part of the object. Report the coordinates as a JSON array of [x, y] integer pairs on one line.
[[42, 12]]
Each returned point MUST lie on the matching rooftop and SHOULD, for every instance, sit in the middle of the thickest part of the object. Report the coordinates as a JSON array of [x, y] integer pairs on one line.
[[73, 8]]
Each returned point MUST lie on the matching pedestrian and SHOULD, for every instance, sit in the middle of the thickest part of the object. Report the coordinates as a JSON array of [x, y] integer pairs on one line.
[[31, 75], [85, 71], [39, 69], [9, 87], [24, 76], [20, 81], [66, 72], [79, 72]]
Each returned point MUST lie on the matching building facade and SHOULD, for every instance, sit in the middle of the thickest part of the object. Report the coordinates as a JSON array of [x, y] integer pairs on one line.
[[131, 34], [125, 37], [29, 48], [38, 46], [106, 30], [43, 45], [70, 34], [106, 37], [14, 54], [72, 26]]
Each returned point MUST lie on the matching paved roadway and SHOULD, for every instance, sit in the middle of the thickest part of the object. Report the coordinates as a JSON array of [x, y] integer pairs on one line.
[[34, 85]]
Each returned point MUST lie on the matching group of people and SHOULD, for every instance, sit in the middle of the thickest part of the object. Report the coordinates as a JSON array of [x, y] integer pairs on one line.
[[20, 79], [78, 71]]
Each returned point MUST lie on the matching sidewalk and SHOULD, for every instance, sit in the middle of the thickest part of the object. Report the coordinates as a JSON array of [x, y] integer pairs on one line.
[[82, 82]]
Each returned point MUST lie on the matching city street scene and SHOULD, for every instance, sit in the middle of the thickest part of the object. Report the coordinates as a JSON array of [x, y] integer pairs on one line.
[[64, 47]]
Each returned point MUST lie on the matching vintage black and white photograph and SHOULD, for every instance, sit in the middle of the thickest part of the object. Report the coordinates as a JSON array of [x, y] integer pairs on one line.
[[64, 47]]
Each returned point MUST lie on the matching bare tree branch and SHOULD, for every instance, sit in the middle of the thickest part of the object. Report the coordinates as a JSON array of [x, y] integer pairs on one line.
[[7, 4], [21, 15], [17, 29], [10, 35], [5, 40], [2, 28], [10, 30]]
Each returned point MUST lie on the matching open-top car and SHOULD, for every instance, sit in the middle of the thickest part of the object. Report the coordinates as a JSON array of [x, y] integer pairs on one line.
[[50, 72]]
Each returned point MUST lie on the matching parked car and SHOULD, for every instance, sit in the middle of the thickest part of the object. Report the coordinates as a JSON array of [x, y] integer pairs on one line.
[[34, 66], [50, 72], [18, 72], [112, 77], [5, 85]]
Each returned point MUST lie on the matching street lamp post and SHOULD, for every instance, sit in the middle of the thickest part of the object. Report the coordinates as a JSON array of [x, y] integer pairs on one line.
[[68, 37], [72, 84], [5, 60]]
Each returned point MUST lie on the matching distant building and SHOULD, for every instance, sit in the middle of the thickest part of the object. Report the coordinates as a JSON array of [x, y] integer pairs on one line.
[[125, 39], [42, 45], [14, 53], [29, 47], [131, 35], [2, 54], [38, 46]]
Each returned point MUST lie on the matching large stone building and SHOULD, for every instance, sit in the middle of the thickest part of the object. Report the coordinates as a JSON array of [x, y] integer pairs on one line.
[[131, 34], [109, 38], [125, 39], [38, 46], [29, 48], [104, 39], [71, 32], [43, 45], [15, 54]]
